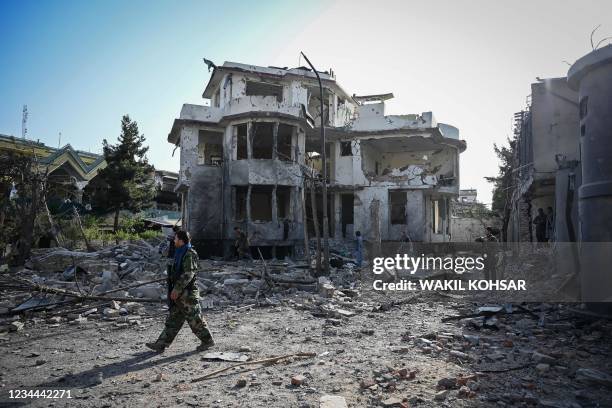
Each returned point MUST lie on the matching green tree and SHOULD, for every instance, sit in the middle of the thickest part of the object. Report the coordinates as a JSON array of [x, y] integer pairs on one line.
[[504, 183], [128, 174]]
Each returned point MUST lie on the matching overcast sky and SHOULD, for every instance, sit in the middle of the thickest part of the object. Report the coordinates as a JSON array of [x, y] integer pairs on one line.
[[79, 66]]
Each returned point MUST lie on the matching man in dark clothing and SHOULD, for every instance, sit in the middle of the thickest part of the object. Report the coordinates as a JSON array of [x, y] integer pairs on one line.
[[540, 225], [184, 297], [242, 244]]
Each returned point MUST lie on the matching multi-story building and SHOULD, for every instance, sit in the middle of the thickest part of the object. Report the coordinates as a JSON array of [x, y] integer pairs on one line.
[[246, 154], [547, 154]]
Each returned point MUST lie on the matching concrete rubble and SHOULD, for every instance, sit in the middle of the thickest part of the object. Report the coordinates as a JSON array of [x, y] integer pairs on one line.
[[370, 348]]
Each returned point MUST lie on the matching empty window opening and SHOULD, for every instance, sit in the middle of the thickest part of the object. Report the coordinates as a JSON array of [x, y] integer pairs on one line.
[[261, 203], [264, 89], [266, 252], [283, 201], [282, 252], [284, 137], [346, 149], [397, 202], [347, 208], [263, 140], [210, 148], [240, 199], [240, 132]]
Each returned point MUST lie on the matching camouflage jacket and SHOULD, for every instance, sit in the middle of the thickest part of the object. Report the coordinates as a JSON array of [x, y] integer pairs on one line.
[[184, 279]]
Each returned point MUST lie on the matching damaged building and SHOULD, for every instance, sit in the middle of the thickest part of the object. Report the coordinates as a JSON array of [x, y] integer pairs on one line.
[[245, 156]]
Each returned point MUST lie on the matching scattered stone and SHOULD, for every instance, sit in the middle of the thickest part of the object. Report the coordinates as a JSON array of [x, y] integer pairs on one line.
[[298, 380], [332, 401], [542, 358], [447, 383], [110, 312], [466, 392], [459, 354], [441, 395], [472, 339], [593, 376], [160, 377], [367, 383], [463, 379], [115, 305], [327, 290], [542, 368], [241, 383], [16, 326], [392, 402], [40, 362]]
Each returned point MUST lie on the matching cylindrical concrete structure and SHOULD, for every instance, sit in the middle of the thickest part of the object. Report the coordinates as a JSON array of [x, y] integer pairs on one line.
[[591, 76]]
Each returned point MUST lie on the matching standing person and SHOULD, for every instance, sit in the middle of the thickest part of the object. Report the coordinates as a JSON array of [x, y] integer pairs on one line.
[[184, 297], [540, 224], [242, 244], [358, 248], [550, 224]]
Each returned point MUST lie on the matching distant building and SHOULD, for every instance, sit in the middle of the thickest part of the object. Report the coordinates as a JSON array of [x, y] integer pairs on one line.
[[72, 174]]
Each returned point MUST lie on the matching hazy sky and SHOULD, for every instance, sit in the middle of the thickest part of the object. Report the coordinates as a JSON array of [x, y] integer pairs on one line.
[[81, 65]]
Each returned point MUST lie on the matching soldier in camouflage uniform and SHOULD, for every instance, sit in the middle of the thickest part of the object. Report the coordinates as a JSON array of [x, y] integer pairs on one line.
[[183, 297]]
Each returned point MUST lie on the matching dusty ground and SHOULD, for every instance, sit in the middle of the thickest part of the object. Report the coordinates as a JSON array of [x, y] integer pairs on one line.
[[358, 357]]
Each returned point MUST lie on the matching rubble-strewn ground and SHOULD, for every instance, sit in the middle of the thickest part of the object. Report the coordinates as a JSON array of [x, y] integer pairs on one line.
[[372, 348]]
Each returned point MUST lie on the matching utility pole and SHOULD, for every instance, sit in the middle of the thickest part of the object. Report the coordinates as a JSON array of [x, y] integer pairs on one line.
[[24, 122], [324, 181]]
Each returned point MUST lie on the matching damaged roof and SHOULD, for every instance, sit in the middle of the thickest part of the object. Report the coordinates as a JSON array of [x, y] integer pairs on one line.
[[269, 72]]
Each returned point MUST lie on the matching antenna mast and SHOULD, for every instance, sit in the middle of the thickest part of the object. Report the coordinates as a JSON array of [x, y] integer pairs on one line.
[[24, 122]]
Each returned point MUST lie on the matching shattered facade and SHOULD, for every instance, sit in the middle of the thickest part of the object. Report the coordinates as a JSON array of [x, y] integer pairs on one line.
[[245, 156], [547, 158]]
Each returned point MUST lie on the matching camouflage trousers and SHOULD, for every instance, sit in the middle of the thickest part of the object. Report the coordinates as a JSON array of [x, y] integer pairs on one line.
[[185, 308]]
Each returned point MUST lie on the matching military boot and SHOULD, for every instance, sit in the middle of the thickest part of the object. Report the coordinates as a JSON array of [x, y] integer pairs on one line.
[[205, 345], [159, 347]]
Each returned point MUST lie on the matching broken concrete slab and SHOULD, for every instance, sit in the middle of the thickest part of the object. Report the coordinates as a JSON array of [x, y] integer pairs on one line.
[[332, 401]]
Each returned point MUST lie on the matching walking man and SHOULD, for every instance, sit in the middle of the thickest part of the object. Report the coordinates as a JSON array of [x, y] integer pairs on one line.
[[358, 248], [184, 297], [540, 225]]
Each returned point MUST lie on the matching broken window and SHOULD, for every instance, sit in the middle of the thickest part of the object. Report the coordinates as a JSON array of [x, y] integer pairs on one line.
[[264, 89], [240, 132], [285, 134], [347, 213], [261, 203], [283, 201], [346, 149], [240, 199], [397, 203], [263, 140], [210, 148]]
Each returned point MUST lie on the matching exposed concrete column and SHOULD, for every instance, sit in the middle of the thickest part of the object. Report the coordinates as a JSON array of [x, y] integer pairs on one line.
[[274, 205], [275, 142], [337, 214], [250, 131], [248, 205]]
